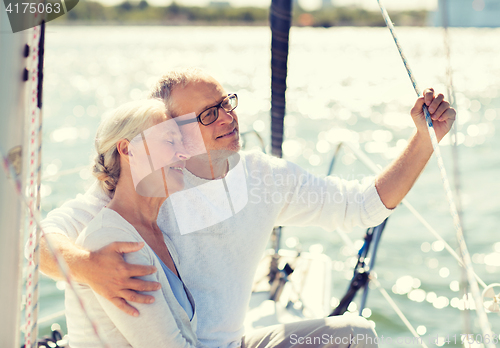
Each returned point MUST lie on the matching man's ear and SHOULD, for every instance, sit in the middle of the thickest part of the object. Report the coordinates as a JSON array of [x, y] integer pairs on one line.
[[123, 147]]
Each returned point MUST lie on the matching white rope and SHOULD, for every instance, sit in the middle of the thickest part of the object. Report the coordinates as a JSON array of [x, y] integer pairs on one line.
[[63, 267], [34, 150], [483, 318]]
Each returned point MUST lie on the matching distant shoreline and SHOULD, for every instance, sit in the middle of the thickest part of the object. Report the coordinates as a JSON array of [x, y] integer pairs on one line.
[[143, 14], [162, 24], [198, 24]]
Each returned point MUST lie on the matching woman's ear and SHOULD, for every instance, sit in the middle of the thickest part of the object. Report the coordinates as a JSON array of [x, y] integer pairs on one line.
[[123, 147]]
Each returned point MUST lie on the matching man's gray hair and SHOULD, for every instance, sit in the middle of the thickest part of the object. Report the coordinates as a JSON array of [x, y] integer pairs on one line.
[[163, 87]]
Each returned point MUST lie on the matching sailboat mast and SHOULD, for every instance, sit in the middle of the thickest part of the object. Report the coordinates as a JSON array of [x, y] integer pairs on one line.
[[12, 113], [280, 20]]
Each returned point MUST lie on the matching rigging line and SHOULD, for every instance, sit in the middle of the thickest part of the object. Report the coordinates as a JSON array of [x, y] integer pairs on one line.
[[454, 146], [373, 167], [394, 306], [398, 311], [376, 169], [451, 96], [34, 100], [377, 231], [454, 143], [65, 172], [446, 245], [483, 319], [362, 270], [63, 267]]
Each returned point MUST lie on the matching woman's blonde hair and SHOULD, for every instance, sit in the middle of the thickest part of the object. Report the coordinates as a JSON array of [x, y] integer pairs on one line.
[[125, 122]]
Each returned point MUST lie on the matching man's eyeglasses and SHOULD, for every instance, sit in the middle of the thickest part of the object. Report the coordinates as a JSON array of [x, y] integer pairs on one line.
[[210, 115]]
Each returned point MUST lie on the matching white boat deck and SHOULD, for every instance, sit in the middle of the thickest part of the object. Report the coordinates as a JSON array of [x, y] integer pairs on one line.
[[305, 296]]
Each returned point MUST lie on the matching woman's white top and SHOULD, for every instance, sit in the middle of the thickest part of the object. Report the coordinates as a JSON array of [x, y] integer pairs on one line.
[[161, 324]]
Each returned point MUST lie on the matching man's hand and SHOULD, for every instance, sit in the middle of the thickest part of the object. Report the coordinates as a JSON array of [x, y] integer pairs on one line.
[[107, 273], [104, 270], [398, 178], [441, 113]]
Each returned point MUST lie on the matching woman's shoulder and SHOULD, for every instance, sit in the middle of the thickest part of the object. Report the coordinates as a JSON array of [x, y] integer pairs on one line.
[[107, 227]]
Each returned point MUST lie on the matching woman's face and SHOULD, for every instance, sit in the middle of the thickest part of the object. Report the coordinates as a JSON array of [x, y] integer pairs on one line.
[[158, 158]]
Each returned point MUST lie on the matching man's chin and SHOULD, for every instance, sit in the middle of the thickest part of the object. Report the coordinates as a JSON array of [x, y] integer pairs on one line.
[[235, 146], [224, 152]]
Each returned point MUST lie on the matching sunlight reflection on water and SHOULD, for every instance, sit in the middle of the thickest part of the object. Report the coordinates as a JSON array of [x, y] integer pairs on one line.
[[344, 84]]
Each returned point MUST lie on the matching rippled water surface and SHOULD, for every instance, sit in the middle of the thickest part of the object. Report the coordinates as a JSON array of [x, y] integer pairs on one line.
[[343, 84]]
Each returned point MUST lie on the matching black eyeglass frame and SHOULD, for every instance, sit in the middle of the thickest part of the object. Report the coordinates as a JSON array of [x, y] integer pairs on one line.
[[218, 106]]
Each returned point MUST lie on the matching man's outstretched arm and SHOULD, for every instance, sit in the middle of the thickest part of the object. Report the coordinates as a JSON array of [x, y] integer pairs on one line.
[[397, 179], [104, 270]]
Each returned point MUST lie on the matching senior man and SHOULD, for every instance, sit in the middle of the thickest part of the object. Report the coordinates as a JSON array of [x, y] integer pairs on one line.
[[219, 252]]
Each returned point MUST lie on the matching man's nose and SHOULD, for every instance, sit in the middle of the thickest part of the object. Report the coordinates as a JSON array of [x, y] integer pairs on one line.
[[224, 116]]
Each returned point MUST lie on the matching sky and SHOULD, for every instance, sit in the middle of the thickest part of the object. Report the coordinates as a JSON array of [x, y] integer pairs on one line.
[[306, 4]]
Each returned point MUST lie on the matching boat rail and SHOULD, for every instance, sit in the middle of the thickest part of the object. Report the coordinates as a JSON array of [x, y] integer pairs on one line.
[[51, 317], [257, 135], [65, 172]]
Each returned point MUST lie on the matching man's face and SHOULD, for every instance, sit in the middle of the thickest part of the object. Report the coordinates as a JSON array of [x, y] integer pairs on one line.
[[223, 134]]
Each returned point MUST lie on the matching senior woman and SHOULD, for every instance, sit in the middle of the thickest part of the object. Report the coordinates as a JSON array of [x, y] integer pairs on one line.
[[139, 163]]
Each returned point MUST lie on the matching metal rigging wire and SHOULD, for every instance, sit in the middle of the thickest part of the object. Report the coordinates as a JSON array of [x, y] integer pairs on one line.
[[483, 319]]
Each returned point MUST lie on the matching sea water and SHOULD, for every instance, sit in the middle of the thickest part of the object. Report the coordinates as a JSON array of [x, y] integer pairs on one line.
[[344, 84]]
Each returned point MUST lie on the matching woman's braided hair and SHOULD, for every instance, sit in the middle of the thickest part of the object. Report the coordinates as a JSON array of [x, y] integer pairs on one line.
[[108, 178], [125, 122]]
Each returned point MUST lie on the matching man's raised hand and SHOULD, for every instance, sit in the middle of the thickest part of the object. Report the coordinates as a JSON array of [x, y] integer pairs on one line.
[[442, 114]]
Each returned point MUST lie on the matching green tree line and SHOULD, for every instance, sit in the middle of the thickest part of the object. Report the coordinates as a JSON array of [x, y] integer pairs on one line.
[[141, 13]]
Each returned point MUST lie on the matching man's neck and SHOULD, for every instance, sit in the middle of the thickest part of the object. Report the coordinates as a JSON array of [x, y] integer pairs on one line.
[[208, 166]]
